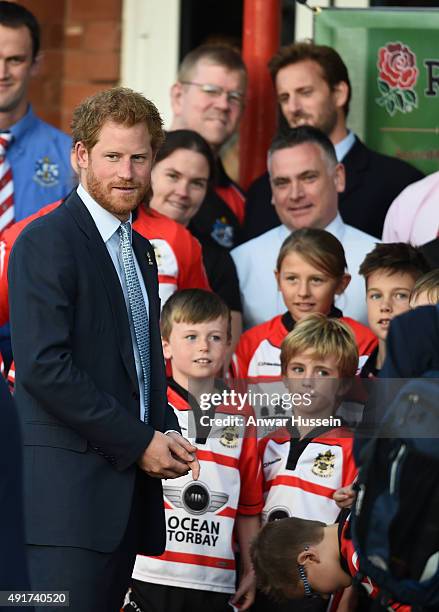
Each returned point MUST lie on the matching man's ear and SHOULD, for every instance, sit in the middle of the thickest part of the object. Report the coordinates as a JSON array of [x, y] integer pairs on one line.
[[81, 155], [342, 285], [340, 178], [36, 65], [176, 98], [340, 93], [167, 353]]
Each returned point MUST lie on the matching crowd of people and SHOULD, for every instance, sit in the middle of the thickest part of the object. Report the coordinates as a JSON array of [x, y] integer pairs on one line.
[[141, 283]]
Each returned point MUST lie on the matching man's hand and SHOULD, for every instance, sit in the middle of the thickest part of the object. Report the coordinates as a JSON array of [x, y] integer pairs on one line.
[[169, 456], [189, 448]]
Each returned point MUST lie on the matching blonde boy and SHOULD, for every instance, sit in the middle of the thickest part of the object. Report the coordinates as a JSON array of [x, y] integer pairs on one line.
[[197, 570], [426, 290], [304, 467]]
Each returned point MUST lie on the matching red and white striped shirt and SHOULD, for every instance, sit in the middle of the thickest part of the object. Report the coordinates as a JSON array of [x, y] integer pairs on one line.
[[200, 515], [257, 355]]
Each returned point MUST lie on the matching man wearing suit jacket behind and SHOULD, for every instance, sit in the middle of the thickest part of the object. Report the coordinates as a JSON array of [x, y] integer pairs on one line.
[[90, 381], [313, 88]]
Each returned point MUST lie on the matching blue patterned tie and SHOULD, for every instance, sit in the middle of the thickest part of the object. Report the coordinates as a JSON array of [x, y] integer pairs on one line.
[[138, 309]]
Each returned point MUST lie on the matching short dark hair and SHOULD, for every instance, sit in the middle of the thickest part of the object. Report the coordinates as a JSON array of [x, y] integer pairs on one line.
[[13, 15], [275, 551], [219, 54], [333, 67], [393, 258], [292, 137], [193, 306], [190, 141]]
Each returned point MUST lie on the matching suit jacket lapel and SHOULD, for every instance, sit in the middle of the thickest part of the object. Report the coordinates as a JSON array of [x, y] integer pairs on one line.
[[355, 162], [101, 256], [145, 258]]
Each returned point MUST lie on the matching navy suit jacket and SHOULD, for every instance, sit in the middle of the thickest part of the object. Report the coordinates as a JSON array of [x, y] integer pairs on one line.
[[412, 346], [77, 388], [13, 569], [373, 181]]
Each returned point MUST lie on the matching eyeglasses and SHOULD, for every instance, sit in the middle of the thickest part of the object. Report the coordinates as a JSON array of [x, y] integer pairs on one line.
[[309, 593], [235, 98]]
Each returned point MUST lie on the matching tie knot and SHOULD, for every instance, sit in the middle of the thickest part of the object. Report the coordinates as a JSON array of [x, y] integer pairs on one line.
[[5, 141], [125, 230]]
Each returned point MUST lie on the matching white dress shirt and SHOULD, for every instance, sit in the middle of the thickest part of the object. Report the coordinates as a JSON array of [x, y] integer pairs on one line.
[[108, 225]]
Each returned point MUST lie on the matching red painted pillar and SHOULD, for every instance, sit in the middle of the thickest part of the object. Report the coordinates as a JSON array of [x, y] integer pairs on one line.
[[261, 37]]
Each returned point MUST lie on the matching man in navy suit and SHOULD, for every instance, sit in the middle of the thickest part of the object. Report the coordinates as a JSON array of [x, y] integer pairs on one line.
[[13, 570], [90, 380], [313, 88]]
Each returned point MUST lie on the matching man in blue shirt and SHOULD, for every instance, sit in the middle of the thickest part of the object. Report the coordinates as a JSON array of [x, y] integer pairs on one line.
[[38, 154]]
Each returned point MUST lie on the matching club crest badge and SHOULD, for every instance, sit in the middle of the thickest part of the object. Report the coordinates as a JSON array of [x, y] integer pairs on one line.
[[229, 437], [223, 233], [324, 464], [46, 172], [158, 256]]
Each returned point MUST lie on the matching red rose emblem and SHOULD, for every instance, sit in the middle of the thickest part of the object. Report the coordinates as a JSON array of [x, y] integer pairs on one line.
[[397, 65]]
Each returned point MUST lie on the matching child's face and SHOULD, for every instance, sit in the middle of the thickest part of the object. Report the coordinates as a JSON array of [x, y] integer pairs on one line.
[[306, 373], [387, 296], [422, 299], [305, 288], [196, 350]]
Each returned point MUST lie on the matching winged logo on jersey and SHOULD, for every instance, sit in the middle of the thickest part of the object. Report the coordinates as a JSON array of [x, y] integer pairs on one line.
[[195, 498], [324, 464]]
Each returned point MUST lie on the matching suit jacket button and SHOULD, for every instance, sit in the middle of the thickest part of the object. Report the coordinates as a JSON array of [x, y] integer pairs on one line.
[[135, 396]]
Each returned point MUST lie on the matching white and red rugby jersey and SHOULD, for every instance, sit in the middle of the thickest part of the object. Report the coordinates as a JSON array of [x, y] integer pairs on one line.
[[257, 356], [200, 515], [178, 253], [301, 476]]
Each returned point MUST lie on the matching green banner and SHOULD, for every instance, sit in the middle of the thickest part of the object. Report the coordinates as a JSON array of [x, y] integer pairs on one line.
[[393, 60]]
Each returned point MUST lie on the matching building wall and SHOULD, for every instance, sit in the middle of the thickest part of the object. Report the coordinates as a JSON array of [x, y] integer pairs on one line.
[[81, 42]]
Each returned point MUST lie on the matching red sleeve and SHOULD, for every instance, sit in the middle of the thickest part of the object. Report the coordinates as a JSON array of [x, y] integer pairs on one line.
[[349, 467], [8, 237], [244, 351], [250, 498]]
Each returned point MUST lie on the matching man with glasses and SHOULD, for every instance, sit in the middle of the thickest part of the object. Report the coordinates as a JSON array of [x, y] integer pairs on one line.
[[208, 98]]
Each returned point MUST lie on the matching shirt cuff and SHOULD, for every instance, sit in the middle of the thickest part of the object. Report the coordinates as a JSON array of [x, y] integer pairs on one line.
[[168, 431]]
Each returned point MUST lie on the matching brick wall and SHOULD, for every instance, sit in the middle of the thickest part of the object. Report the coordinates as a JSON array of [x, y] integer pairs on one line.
[[81, 54]]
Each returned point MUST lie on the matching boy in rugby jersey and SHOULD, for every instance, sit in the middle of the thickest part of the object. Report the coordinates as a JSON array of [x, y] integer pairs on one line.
[[296, 558], [390, 272], [306, 463], [197, 570]]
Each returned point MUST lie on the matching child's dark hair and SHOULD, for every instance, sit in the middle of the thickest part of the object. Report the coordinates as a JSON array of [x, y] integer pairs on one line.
[[193, 306], [393, 258], [275, 551]]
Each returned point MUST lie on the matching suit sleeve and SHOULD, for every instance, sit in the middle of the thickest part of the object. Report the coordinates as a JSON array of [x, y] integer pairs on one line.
[[13, 569], [412, 344], [43, 291]]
